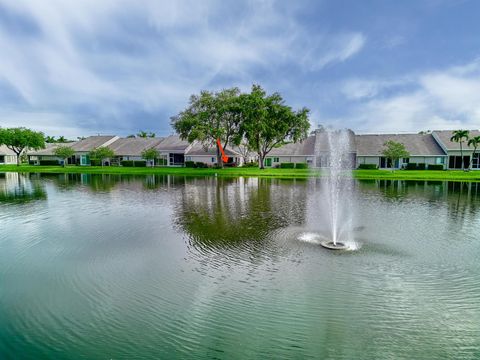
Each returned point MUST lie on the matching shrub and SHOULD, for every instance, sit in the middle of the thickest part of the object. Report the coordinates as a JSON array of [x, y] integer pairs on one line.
[[251, 164], [435, 167], [49, 162], [301, 166], [368, 166], [95, 162], [32, 162], [127, 163], [201, 165], [139, 163], [287, 165], [411, 166], [190, 164], [421, 166]]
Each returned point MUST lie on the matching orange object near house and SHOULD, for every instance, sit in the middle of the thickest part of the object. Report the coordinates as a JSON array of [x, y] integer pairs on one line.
[[224, 157]]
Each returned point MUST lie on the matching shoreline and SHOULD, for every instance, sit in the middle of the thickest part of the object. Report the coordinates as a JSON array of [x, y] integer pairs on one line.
[[415, 175]]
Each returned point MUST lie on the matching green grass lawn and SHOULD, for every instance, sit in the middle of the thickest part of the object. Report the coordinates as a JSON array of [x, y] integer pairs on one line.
[[451, 175]]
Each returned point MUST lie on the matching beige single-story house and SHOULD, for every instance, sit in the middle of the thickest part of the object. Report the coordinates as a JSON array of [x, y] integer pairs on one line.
[[7, 156], [131, 149], [422, 148], [452, 150], [197, 153]]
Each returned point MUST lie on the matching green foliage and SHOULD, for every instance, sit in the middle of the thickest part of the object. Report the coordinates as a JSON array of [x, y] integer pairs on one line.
[[435, 167], [144, 134], [19, 139], [268, 122], [475, 143], [190, 164], [287, 165], [49, 162], [133, 163], [368, 167], [460, 136], [394, 151], [250, 164], [64, 152], [150, 154], [211, 116], [95, 162], [411, 166], [301, 166], [101, 153], [421, 166], [201, 165]]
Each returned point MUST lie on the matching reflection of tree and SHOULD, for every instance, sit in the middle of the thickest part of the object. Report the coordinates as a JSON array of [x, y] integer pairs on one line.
[[19, 188], [224, 212]]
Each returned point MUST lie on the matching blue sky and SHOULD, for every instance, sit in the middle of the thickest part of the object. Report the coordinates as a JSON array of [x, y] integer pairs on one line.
[[118, 66]]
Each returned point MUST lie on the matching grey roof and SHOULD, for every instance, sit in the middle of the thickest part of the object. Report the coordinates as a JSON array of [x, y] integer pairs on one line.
[[445, 135], [133, 146], [198, 150], [173, 143], [304, 148], [49, 149], [416, 144], [322, 143], [4, 150], [92, 142]]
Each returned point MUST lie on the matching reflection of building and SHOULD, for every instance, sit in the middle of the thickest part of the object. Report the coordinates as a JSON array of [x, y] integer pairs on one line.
[[7, 156]]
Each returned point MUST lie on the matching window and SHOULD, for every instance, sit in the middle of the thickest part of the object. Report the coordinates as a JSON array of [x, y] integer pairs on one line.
[[213, 160], [476, 161], [440, 160], [406, 160], [276, 159], [2, 159], [188, 158]]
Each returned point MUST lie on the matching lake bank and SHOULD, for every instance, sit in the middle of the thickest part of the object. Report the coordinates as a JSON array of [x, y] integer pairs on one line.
[[450, 175]]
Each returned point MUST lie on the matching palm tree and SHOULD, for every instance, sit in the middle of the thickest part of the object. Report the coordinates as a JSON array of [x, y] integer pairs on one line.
[[475, 142], [50, 139], [62, 139], [460, 136]]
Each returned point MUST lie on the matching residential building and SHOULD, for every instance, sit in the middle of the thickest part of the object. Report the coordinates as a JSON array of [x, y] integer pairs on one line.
[[423, 148], [197, 153], [7, 156], [452, 150]]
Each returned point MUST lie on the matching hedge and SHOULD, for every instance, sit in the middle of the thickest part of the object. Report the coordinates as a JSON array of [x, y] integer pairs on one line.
[[200, 165], [250, 164], [368, 166], [411, 166], [134, 163], [287, 165], [301, 166], [49, 162], [435, 167], [421, 166], [190, 164], [95, 162]]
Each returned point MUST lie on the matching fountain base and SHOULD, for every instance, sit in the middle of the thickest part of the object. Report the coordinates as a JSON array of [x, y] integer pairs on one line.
[[328, 244]]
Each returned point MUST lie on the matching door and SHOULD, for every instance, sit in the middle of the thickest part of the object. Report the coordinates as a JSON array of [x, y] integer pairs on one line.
[[268, 162]]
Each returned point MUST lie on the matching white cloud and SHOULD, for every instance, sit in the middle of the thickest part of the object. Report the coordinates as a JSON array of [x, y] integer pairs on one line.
[[108, 55], [444, 99]]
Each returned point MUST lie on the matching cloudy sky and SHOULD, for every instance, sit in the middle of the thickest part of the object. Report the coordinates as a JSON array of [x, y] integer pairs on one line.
[[118, 66]]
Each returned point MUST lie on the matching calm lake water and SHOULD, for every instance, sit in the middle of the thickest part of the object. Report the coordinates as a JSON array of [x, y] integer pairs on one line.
[[161, 267]]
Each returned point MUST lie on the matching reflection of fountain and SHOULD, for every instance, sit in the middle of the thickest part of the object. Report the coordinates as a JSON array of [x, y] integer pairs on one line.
[[334, 153]]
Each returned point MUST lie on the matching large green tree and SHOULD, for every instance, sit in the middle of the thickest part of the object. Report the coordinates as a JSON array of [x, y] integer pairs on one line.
[[268, 122], [460, 136], [211, 116], [101, 153], [64, 152], [394, 151], [20, 139]]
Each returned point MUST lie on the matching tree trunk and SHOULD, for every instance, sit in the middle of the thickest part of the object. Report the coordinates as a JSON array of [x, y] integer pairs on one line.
[[219, 158], [19, 159], [461, 155], [261, 159]]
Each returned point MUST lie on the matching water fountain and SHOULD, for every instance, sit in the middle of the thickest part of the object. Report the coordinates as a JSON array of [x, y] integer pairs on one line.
[[337, 188]]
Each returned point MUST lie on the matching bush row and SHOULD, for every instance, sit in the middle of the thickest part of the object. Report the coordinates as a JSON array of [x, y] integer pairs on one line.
[[134, 163], [49, 162], [368, 167], [197, 165]]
